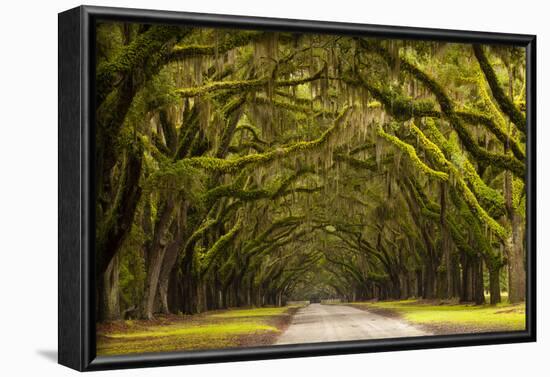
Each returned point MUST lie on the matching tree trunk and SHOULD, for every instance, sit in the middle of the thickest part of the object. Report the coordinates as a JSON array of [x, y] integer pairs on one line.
[[455, 273], [494, 285], [467, 290], [516, 264], [429, 281], [156, 257], [445, 291], [108, 289], [419, 284], [169, 261], [514, 245]]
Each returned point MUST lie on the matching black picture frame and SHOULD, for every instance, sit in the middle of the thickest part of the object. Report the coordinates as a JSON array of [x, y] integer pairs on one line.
[[76, 323]]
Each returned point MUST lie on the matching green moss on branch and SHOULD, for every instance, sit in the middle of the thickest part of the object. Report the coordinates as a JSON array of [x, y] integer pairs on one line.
[[236, 164], [505, 104], [222, 242], [245, 85], [411, 152], [502, 161], [153, 46], [471, 175], [236, 40]]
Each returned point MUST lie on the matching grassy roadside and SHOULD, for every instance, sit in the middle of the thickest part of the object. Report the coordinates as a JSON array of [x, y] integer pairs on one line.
[[211, 330], [440, 318]]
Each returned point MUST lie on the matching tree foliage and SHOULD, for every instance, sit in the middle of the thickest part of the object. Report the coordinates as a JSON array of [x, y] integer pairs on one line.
[[249, 168]]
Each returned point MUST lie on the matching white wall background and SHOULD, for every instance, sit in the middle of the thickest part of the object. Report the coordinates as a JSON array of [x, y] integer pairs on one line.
[[28, 185]]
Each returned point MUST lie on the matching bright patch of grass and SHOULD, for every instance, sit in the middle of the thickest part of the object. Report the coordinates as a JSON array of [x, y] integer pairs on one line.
[[257, 312], [204, 330], [213, 330], [503, 317]]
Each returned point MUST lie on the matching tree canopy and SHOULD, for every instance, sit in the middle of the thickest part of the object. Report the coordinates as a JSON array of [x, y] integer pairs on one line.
[[239, 167]]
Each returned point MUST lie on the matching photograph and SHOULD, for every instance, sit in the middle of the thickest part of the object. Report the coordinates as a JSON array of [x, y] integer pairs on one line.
[[257, 188]]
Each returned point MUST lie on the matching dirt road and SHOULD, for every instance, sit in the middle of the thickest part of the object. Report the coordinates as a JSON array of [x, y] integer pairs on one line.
[[330, 323]]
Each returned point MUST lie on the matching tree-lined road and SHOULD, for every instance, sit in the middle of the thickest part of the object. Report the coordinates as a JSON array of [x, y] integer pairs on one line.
[[331, 323]]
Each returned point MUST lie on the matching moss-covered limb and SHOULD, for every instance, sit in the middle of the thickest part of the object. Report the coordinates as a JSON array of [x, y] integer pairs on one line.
[[291, 274], [472, 202], [276, 243], [425, 207], [473, 178], [233, 191], [432, 211], [245, 85], [472, 226], [491, 125], [505, 104], [295, 82], [490, 198], [400, 106], [282, 188], [290, 221], [158, 154], [159, 144], [444, 101], [236, 164], [206, 225], [189, 129], [148, 51], [411, 152], [202, 225], [283, 226], [114, 226], [255, 132], [405, 108], [502, 161], [169, 132], [459, 240], [499, 160], [221, 243], [231, 112], [428, 145], [239, 39], [357, 275], [242, 85]]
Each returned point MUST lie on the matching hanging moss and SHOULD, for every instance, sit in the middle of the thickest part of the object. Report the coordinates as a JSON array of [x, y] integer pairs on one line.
[[277, 164], [236, 164]]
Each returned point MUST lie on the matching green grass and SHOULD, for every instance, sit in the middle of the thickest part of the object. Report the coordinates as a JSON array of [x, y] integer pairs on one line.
[[213, 330], [501, 317], [204, 330], [259, 312]]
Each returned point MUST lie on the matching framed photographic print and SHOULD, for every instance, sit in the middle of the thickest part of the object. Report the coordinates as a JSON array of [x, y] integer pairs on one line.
[[238, 188]]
